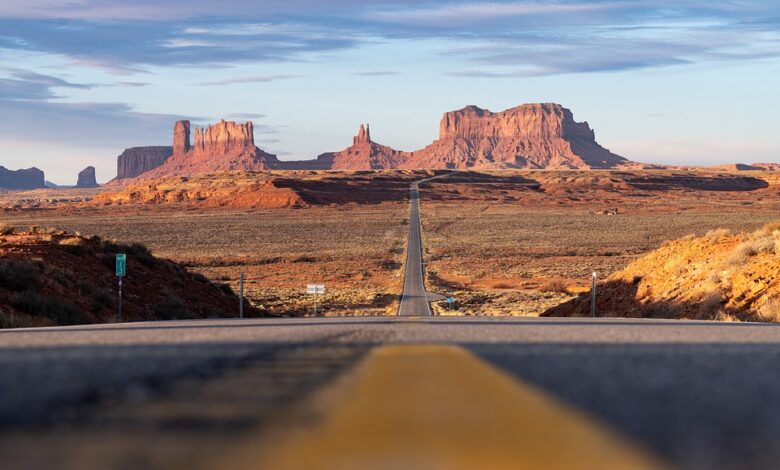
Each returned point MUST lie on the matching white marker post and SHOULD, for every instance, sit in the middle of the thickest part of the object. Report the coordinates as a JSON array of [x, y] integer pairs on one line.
[[241, 296], [593, 296], [315, 290]]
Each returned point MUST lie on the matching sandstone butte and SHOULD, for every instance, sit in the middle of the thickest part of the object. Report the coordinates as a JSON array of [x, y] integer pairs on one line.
[[30, 178], [86, 178], [136, 160], [527, 136], [224, 146]]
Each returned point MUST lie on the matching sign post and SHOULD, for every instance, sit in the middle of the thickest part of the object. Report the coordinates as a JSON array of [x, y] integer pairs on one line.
[[450, 301], [315, 290], [121, 270], [593, 296], [241, 297]]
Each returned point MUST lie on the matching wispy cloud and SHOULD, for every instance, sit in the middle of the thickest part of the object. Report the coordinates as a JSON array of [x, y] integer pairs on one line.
[[376, 73], [243, 80]]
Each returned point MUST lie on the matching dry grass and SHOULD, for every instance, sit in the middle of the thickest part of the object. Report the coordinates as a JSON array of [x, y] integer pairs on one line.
[[357, 251]]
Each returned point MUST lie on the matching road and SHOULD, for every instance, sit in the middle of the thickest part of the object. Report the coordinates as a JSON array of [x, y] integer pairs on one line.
[[415, 301], [531, 391]]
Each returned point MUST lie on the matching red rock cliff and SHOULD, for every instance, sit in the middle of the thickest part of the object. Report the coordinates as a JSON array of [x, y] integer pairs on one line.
[[223, 146], [363, 154], [136, 160], [528, 136]]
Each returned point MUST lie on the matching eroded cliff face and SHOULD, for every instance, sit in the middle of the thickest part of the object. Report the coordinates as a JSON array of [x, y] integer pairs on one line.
[[528, 136], [86, 178], [31, 178], [134, 161], [223, 146]]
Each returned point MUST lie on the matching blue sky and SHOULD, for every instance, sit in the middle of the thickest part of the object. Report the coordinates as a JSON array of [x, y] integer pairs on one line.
[[688, 82]]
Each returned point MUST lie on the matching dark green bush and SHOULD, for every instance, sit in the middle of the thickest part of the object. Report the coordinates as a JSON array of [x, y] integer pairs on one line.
[[18, 275], [59, 311], [172, 308]]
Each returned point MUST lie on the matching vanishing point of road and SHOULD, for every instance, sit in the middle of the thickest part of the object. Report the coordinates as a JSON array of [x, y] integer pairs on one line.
[[407, 391]]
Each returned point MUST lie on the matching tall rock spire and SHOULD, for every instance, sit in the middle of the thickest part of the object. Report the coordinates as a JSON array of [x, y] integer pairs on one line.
[[364, 135], [181, 137]]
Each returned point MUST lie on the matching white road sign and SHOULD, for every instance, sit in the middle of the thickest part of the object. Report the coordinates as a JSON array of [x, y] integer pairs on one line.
[[315, 289]]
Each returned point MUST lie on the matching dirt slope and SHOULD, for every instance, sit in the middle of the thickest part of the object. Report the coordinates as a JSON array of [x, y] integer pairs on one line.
[[50, 277], [721, 275]]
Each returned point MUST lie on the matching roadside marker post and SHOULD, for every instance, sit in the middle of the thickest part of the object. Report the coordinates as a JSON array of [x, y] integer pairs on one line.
[[593, 296], [121, 270], [315, 290], [450, 301], [241, 296]]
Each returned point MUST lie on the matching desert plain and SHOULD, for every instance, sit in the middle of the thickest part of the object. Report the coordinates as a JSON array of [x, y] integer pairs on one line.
[[501, 242]]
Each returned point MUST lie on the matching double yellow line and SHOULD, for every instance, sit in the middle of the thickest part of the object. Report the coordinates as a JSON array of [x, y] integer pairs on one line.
[[440, 407]]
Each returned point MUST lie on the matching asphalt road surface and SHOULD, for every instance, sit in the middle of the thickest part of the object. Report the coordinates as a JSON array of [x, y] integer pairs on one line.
[[414, 300], [163, 395]]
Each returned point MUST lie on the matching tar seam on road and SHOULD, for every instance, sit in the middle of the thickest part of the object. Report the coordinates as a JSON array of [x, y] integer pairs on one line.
[[433, 406]]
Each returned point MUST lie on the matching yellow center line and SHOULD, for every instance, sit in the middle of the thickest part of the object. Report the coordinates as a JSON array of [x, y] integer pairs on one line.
[[441, 407]]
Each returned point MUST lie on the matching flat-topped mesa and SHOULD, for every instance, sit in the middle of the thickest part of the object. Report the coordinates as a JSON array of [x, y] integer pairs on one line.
[[225, 137], [540, 135], [137, 160], [533, 121], [363, 136], [30, 178]]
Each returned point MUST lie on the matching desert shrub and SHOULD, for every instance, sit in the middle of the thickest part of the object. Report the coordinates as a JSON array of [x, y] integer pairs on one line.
[[73, 245], [200, 278], [661, 310], [172, 308], [770, 228], [208, 311], [710, 305], [103, 298], [726, 317], [749, 248], [554, 286], [85, 287], [61, 278], [304, 259], [12, 320], [6, 229], [714, 236], [226, 289], [18, 275], [770, 311], [142, 254], [61, 312]]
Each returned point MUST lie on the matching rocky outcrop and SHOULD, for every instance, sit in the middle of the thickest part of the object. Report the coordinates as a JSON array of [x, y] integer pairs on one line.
[[87, 178], [363, 154], [137, 160], [31, 178], [223, 146], [528, 136]]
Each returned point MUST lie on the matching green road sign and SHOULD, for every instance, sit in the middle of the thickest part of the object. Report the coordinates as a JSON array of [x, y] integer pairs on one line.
[[121, 264]]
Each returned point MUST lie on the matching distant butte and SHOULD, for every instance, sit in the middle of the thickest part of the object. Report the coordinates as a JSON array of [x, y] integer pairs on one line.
[[527, 136]]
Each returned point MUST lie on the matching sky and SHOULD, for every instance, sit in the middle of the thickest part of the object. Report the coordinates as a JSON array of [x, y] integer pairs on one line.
[[678, 82]]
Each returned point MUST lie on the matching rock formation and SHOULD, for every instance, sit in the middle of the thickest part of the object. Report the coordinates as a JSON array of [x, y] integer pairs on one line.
[[363, 154], [137, 160], [31, 178], [223, 146], [87, 178], [528, 136]]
